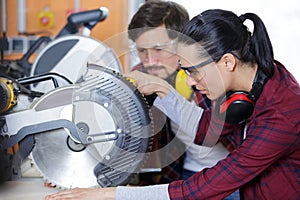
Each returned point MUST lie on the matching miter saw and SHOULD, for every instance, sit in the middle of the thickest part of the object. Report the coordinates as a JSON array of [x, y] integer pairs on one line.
[[81, 122]]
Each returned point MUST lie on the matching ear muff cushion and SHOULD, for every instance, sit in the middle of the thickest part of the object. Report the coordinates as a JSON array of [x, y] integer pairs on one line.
[[235, 107], [181, 86]]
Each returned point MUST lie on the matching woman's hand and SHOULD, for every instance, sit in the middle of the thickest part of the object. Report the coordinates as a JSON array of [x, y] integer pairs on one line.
[[148, 84], [84, 194]]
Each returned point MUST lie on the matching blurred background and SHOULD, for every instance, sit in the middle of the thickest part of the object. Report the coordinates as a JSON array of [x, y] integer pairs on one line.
[[23, 21]]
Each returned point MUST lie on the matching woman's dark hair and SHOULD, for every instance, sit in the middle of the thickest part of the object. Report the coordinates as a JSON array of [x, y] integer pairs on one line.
[[153, 14], [220, 31]]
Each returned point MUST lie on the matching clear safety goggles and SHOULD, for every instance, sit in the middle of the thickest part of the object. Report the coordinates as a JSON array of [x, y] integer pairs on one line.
[[157, 50]]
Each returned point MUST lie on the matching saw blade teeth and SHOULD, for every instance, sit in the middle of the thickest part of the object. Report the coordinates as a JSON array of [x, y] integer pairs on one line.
[[47, 181], [49, 184]]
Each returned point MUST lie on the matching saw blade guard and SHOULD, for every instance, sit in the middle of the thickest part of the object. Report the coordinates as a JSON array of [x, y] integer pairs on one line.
[[68, 56]]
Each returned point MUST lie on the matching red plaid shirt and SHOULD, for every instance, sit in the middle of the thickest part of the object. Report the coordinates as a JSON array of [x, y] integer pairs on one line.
[[267, 164]]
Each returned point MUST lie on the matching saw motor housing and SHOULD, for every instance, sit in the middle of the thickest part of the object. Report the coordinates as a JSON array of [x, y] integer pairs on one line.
[[8, 97]]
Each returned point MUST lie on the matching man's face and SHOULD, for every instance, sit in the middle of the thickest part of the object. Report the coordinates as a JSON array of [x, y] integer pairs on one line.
[[157, 52]]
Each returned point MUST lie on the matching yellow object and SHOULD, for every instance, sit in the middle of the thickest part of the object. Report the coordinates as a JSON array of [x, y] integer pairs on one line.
[[132, 81], [181, 86], [45, 18], [9, 99]]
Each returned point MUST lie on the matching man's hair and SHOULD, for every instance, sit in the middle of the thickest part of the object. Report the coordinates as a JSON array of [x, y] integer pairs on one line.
[[153, 14]]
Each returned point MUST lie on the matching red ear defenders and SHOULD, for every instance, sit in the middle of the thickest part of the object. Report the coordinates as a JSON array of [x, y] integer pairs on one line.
[[237, 106]]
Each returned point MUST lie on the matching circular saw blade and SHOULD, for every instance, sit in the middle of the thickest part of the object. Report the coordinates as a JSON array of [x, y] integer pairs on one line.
[[68, 164], [60, 165]]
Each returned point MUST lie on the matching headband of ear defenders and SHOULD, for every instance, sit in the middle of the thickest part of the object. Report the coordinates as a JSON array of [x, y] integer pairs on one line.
[[237, 106]]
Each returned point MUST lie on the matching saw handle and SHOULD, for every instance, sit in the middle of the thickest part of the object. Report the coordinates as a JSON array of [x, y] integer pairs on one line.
[[87, 18]]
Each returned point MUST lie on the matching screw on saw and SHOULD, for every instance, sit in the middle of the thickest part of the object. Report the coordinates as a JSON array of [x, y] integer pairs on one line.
[[75, 146]]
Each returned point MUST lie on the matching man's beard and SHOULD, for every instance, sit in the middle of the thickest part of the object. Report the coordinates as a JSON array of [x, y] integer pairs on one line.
[[158, 70]]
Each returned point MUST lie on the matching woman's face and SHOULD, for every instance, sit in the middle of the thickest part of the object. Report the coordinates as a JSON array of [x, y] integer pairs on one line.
[[203, 73]]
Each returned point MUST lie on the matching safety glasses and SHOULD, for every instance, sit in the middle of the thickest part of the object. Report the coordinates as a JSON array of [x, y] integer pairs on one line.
[[193, 72], [158, 50]]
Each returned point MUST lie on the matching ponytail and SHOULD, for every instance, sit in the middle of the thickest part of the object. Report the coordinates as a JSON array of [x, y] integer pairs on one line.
[[260, 44]]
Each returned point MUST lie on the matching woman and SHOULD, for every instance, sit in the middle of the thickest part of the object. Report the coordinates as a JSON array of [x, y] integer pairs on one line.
[[235, 68]]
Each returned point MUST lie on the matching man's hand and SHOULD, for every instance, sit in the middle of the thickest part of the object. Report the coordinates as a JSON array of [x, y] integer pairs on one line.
[[84, 194], [148, 84]]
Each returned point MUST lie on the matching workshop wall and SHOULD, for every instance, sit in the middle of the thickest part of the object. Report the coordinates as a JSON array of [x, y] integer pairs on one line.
[[57, 11]]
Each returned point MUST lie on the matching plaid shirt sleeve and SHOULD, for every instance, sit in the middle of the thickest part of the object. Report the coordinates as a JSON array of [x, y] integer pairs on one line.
[[266, 165]]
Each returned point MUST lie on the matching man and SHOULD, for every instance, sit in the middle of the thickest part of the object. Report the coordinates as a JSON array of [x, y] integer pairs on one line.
[[154, 30]]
